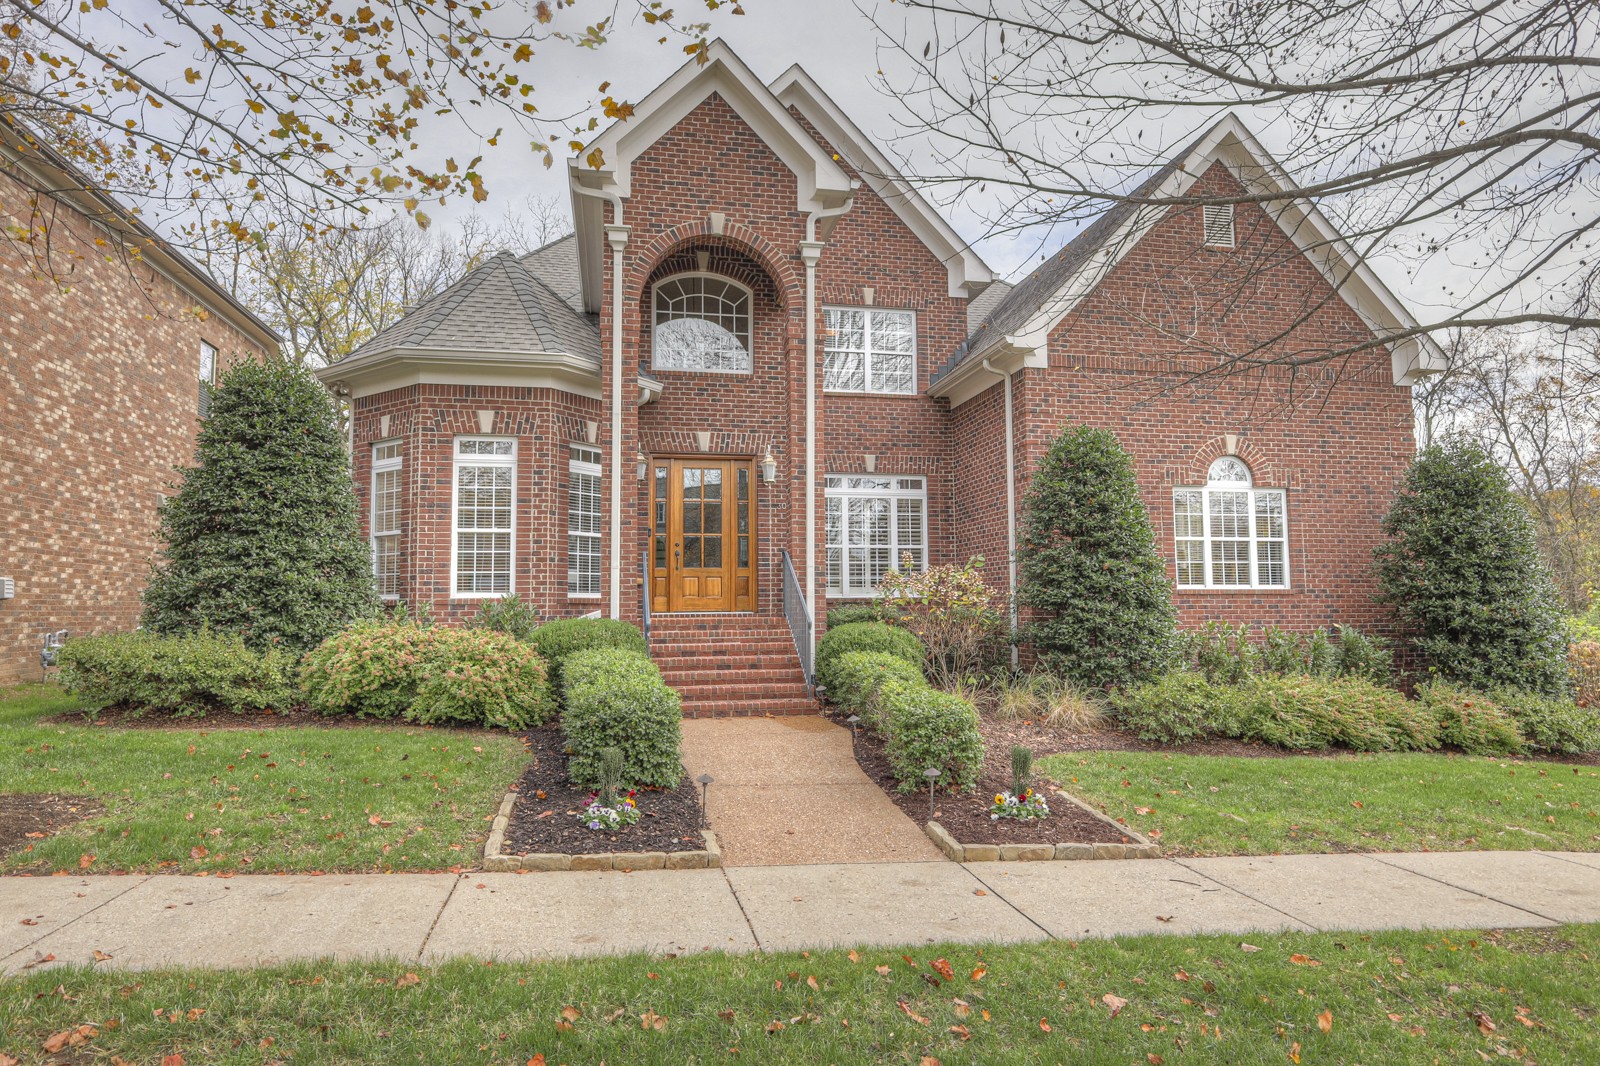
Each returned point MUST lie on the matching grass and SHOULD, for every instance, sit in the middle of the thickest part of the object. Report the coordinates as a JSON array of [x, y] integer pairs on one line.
[[1404, 999], [1212, 805], [289, 799]]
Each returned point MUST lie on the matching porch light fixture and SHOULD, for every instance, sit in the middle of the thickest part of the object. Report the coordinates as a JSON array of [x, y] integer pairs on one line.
[[644, 465], [705, 787], [932, 773], [769, 468]]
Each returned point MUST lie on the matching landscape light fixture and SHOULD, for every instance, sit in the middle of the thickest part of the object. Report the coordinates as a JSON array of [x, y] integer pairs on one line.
[[853, 721], [705, 787], [932, 774]]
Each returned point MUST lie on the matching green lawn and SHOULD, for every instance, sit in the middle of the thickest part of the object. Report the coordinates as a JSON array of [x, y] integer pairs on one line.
[[1209, 805], [1395, 998], [258, 800]]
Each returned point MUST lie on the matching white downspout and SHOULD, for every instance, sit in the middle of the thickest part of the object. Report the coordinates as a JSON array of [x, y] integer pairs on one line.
[[811, 252], [1011, 502]]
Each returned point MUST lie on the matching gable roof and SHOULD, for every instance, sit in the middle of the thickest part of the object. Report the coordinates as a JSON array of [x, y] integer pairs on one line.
[[820, 183], [499, 306], [969, 274], [1024, 319]]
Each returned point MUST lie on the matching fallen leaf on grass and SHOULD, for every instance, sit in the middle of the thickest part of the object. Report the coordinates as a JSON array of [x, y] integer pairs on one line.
[[773, 1027], [944, 969], [963, 1008], [1044, 1025], [7, 1060], [1116, 1003], [928, 1060], [905, 1008], [1153, 1059], [537, 1060], [85, 861], [1303, 960], [853, 957], [1325, 1021], [39, 960], [70, 1038], [883, 971], [173, 1059], [978, 974], [651, 1020], [1521, 1016], [962, 1031], [1485, 1023], [571, 1013], [726, 1015], [1248, 948], [1294, 1052], [407, 981]]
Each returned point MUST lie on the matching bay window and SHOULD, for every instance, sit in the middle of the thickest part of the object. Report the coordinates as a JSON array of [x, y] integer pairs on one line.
[[874, 523], [1229, 534]]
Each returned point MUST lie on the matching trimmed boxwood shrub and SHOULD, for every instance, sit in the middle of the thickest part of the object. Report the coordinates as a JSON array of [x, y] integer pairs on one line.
[[849, 613], [1551, 724], [865, 636], [557, 639], [615, 698], [858, 675], [188, 675], [1470, 721], [924, 727], [402, 669], [1177, 707]]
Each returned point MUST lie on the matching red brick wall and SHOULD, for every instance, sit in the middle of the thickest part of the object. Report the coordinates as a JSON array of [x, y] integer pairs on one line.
[[98, 402], [426, 419], [1337, 436]]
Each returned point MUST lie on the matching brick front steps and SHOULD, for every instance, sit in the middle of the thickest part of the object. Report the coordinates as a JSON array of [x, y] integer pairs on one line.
[[730, 665]]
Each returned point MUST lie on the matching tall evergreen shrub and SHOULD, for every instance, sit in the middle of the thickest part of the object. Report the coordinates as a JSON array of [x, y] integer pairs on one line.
[[262, 538], [1088, 565], [1463, 573]]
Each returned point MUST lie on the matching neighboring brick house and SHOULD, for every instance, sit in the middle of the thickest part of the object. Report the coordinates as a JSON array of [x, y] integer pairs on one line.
[[763, 370], [107, 337]]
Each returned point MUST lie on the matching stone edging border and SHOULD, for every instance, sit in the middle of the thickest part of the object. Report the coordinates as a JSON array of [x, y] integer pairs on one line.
[[1140, 848], [497, 861]]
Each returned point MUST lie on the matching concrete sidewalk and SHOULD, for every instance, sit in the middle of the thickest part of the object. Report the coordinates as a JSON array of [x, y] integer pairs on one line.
[[143, 921]]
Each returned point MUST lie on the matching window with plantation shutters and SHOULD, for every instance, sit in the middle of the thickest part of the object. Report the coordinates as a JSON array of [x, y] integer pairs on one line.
[[1229, 534], [384, 518], [1219, 225], [874, 523], [583, 522], [483, 510], [208, 376]]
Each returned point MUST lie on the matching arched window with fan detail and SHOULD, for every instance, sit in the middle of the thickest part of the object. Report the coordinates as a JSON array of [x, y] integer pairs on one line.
[[1230, 534], [702, 324]]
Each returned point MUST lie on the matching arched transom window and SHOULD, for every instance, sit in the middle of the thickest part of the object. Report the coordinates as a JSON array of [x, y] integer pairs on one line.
[[702, 322], [1230, 534]]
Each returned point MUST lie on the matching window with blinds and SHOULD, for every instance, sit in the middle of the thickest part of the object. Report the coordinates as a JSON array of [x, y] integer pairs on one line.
[[583, 522], [384, 518], [1229, 534], [483, 512]]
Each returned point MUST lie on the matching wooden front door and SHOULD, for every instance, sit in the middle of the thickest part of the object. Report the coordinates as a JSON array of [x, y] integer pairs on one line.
[[702, 535]]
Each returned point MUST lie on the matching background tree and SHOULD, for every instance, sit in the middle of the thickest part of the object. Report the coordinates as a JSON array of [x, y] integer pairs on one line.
[[1088, 565], [262, 537], [1461, 140], [1535, 409], [1462, 571]]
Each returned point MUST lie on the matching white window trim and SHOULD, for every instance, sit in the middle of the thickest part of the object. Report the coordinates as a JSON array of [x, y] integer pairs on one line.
[[216, 356], [1205, 492], [457, 462], [381, 466], [750, 323], [866, 357], [582, 466], [875, 494]]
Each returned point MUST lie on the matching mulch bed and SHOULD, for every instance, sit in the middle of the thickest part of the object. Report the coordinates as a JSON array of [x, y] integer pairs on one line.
[[42, 814], [965, 816], [545, 816]]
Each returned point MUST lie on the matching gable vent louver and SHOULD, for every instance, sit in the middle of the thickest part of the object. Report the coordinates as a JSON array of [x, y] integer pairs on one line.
[[1219, 225]]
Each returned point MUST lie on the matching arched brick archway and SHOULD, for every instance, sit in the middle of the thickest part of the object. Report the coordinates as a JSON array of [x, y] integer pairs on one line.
[[1262, 470]]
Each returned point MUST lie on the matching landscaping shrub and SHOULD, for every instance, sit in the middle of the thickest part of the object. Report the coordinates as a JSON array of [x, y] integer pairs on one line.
[[1177, 707], [1470, 721], [1552, 724], [924, 727], [391, 669], [951, 610], [1583, 666], [1050, 700], [864, 636], [1304, 712], [1227, 654], [263, 537], [850, 613], [615, 698], [858, 675], [556, 640], [1089, 565], [508, 614], [188, 675], [1462, 570]]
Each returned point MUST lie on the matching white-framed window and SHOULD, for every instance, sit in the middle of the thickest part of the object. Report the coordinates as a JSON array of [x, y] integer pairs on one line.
[[702, 323], [583, 522], [483, 516], [1218, 221], [384, 518], [875, 523], [869, 349], [208, 376], [1229, 534]]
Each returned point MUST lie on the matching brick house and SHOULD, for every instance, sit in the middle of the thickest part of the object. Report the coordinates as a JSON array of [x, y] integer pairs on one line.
[[108, 341], [763, 370]]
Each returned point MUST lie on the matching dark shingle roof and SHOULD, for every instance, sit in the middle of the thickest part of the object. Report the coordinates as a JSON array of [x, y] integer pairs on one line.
[[556, 264], [981, 306], [499, 306]]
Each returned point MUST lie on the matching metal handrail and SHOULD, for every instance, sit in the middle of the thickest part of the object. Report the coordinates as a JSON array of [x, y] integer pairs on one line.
[[797, 612], [645, 622]]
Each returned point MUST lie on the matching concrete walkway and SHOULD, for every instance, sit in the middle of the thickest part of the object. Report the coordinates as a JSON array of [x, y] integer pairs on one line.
[[788, 791], [143, 921]]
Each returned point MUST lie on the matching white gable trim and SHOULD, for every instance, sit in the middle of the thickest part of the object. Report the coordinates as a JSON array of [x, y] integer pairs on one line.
[[1232, 144], [969, 274]]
